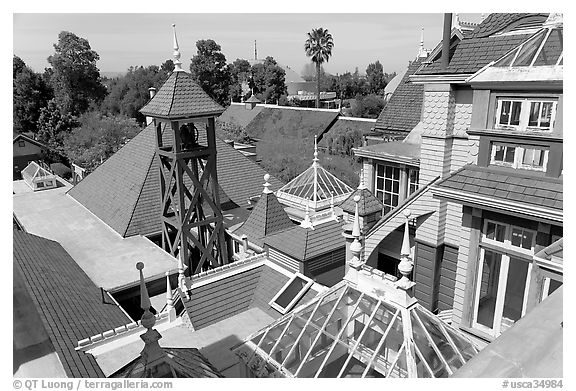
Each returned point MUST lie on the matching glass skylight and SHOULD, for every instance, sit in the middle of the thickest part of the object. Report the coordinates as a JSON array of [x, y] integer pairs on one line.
[[294, 289], [347, 333], [544, 48]]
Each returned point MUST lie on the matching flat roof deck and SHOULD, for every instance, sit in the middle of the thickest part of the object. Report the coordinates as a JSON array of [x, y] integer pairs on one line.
[[106, 257], [214, 342]]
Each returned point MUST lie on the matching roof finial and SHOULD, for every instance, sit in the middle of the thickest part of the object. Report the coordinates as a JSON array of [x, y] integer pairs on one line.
[[266, 184], [315, 149], [148, 319], [177, 63], [406, 265], [332, 206], [169, 299], [456, 21], [307, 223], [421, 51], [181, 269], [255, 51], [356, 226]]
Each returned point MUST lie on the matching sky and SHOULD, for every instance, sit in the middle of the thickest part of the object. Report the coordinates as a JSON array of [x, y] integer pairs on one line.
[[124, 40]]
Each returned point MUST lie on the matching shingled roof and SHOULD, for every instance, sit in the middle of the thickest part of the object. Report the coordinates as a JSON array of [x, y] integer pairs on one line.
[[68, 302], [305, 244], [267, 217], [367, 204], [181, 97], [289, 122], [508, 185], [124, 191], [404, 109], [481, 46], [237, 114]]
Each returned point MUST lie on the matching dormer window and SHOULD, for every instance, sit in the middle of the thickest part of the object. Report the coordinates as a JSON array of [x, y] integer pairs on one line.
[[525, 114], [519, 156]]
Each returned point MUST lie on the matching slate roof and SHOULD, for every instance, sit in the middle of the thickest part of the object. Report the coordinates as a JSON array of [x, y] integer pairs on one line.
[[68, 302], [507, 184], [284, 122], [404, 109], [480, 48], [305, 244], [367, 205], [186, 363], [237, 114], [124, 191], [181, 97], [267, 217]]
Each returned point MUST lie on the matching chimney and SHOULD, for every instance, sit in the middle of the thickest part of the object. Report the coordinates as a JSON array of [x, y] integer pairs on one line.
[[446, 41], [152, 92], [244, 243]]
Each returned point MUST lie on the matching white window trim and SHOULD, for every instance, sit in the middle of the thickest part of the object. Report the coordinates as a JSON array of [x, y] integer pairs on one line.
[[383, 190], [525, 113], [507, 244], [301, 293], [501, 292], [519, 156], [410, 183]]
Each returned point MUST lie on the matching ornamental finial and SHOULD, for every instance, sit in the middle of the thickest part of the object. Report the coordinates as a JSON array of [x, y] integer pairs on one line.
[[177, 63], [266, 184], [406, 265], [315, 149], [148, 319]]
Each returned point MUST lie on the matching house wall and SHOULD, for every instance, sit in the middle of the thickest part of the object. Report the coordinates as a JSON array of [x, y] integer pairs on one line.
[[284, 260], [447, 277], [326, 269], [27, 149]]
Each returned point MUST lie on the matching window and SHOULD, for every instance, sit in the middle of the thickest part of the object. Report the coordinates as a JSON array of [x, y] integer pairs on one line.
[[519, 156], [525, 114], [550, 285], [21, 143], [236, 247], [413, 177], [290, 293], [503, 277], [388, 186]]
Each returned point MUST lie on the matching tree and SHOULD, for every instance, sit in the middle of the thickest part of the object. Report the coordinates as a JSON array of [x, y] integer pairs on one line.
[[53, 125], [268, 80], [128, 94], [210, 70], [239, 75], [369, 106], [376, 78], [319, 46], [17, 66], [232, 131], [75, 79], [30, 94], [98, 137]]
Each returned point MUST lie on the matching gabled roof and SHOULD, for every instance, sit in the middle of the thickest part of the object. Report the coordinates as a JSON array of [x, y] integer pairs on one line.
[[404, 109], [367, 205], [181, 97], [20, 136], [289, 122], [237, 114], [304, 244], [484, 44], [253, 99], [184, 362], [69, 304], [267, 217], [124, 191], [496, 187]]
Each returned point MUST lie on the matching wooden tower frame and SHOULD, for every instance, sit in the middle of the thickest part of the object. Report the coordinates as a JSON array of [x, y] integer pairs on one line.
[[188, 182]]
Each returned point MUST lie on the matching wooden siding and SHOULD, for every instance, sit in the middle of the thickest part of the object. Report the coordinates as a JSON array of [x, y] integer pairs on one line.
[[327, 269], [283, 260], [424, 273], [214, 302], [447, 278]]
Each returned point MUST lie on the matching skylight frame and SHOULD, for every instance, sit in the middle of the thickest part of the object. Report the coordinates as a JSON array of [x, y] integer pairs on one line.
[[301, 292]]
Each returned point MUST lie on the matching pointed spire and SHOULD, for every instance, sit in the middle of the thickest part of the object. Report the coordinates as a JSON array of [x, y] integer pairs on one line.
[[177, 63], [169, 299], [456, 22], [482, 17], [255, 51], [406, 265], [421, 51], [315, 160], [148, 319], [266, 184], [181, 269], [361, 185], [356, 226]]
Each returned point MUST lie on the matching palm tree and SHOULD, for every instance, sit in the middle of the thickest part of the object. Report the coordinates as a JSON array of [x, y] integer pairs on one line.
[[319, 46]]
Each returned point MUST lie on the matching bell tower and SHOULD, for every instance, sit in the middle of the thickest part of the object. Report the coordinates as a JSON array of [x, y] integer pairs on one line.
[[192, 222]]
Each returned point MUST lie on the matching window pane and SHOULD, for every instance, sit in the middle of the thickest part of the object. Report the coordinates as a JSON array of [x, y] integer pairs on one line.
[[290, 292], [505, 113], [388, 172], [396, 173], [528, 51], [395, 187], [425, 346], [394, 200], [534, 114], [499, 154], [380, 183], [522, 238], [509, 157], [388, 186], [495, 231], [546, 116], [335, 361], [380, 170], [551, 49], [515, 116], [488, 280], [554, 284], [514, 297]]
